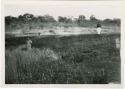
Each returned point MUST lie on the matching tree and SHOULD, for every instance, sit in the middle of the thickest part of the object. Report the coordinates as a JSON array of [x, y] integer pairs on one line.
[[41, 19], [28, 16], [107, 21], [93, 18], [62, 19], [81, 18], [10, 19], [117, 21], [48, 18]]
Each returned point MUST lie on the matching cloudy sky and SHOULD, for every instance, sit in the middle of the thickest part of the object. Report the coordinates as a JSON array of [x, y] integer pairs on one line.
[[101, 10]]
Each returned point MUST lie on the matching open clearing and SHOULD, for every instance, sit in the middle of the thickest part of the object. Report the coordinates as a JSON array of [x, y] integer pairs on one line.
[[61, 31]]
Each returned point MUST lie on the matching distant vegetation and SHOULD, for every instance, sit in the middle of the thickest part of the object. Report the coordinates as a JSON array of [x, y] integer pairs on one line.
[[30, 22]]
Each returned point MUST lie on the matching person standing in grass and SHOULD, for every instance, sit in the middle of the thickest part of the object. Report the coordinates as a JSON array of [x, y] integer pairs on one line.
[[28, 43], [99, 28]]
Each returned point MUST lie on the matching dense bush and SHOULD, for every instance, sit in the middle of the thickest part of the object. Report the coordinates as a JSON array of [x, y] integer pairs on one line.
[[31, 22]]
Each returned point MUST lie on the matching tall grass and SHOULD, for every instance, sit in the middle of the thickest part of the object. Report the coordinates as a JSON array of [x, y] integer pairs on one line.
[[85, 59]]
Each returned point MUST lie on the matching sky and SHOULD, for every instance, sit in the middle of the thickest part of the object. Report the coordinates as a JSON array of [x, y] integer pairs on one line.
[[99, 10]]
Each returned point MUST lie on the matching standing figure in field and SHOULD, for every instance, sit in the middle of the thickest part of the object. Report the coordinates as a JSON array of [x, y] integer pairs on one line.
[[28, 44], [99, 28]]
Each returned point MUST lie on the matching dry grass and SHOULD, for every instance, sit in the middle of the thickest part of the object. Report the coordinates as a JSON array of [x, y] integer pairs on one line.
[[90, 59]]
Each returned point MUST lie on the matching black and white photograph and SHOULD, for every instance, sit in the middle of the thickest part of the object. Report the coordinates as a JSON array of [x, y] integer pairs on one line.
[[62, 42]]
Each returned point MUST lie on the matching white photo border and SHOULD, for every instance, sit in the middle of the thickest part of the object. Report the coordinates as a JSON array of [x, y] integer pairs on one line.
[[121, 4]]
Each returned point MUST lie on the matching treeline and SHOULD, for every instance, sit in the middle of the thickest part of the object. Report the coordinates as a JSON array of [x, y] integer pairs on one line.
[[29, 21]]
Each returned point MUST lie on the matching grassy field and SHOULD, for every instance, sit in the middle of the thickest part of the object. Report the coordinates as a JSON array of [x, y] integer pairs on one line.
[[83, 59]]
